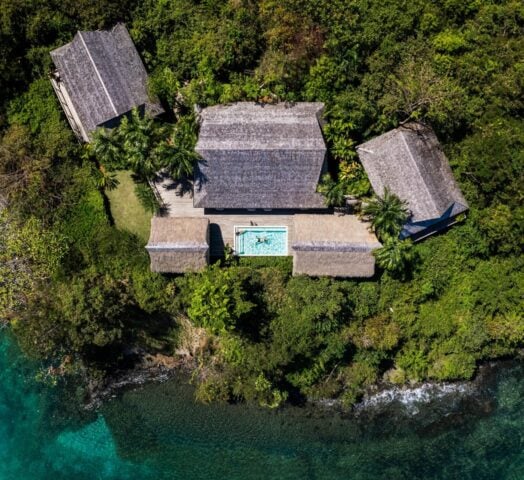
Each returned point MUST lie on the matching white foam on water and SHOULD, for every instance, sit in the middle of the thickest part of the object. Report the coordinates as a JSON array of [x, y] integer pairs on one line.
[[411, 397]]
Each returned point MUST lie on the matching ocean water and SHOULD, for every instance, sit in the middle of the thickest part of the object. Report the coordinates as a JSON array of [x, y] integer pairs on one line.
[[159, 432]]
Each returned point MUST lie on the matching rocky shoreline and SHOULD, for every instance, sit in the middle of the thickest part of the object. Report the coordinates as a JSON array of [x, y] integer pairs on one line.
[[150, 368], [161, 368], [446, 397]]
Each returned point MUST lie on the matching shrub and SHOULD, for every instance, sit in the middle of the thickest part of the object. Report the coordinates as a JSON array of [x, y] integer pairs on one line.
[[356, 377], [413, 361], [453, 366], [267, 395], [217, 300], [39, 110], [507, 329], [378, 333]]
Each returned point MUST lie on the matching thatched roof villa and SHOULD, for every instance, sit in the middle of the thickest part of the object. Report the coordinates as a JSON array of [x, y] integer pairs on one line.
[[256, 186], [99, 77], [260, 156], [410, 162]]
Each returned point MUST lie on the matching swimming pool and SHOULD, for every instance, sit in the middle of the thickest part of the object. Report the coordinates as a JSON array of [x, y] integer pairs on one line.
[[261, 241]]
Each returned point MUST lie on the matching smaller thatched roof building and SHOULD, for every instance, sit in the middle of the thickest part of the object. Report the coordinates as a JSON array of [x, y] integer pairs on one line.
[[178, 245], [99, 77], [260, 156], [330, 245], [410, 162]]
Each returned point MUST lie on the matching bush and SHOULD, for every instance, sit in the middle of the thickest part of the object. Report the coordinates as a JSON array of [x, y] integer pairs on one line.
[[39, 110], [377, 333], [356, 377], [412, 360], [85, 218], [216, 300], [453, 366]]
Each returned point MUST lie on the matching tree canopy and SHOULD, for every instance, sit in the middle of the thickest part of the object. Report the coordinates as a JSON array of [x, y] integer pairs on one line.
[[72, 284]]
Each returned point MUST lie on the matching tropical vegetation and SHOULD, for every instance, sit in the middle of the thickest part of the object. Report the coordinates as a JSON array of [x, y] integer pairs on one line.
[[77, 292], [387, 215]]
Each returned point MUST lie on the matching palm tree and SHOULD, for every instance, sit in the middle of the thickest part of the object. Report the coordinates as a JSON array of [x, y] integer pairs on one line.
[[334, 195], [178, 161], [182, 143], [106, 148], [106, 180], [387, 214], [138, 137], [145, 147], [394, 255]]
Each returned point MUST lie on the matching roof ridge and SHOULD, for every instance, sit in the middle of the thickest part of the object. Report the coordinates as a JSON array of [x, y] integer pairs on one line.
[[98, 74], [430, 196]]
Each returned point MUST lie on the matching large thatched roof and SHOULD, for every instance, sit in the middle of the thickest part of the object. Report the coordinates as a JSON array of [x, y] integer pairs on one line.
[[178, 245], [410, 161], [103, 77], [260, 156], [337, 246]]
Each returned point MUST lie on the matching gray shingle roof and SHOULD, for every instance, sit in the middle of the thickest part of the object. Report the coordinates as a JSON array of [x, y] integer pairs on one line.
[[260, 156], [410, 161], [178, 245], [338, 246], [103, 75]]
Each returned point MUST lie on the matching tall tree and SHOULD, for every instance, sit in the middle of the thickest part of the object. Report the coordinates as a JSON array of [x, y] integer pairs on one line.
[[394, 255], [387, 214], [144, 146]]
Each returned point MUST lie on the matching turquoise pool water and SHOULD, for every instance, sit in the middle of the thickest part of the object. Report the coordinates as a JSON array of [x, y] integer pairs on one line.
[[158, 432], [261, 241]]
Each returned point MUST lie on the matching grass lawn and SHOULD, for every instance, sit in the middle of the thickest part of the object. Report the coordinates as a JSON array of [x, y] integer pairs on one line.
[[127, 211]]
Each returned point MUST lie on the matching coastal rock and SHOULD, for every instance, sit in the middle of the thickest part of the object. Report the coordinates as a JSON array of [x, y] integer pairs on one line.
[[149, 368]]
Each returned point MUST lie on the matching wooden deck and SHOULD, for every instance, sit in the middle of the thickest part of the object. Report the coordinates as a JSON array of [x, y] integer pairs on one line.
[[178, 202], [177, 198]]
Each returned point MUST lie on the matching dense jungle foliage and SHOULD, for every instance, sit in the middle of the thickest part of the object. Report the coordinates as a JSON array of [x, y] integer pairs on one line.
[[77, 292]]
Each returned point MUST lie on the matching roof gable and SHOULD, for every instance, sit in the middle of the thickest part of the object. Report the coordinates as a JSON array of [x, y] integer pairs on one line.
[[260, 156], [252, 126], [103, 75], [410, 162]]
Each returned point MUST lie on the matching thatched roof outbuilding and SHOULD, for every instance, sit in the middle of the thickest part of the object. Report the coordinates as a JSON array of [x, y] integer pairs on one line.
[[331, 245], [260, 156], [178, 245], [99, 77], [411, 163]]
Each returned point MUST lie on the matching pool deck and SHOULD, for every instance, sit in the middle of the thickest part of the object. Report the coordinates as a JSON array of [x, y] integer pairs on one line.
[[320, 242], [222, 227], [179, 203]]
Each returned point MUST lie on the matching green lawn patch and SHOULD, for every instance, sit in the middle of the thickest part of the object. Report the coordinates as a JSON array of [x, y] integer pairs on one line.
[[127, 211]]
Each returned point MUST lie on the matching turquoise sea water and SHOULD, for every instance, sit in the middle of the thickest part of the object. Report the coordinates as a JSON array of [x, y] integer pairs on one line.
[[261, 241], [158, 432]]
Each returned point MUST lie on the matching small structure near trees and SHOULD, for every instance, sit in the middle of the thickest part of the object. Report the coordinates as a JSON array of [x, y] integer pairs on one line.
[[178, 244], [409, 161], [335, 246], [99, 77]]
